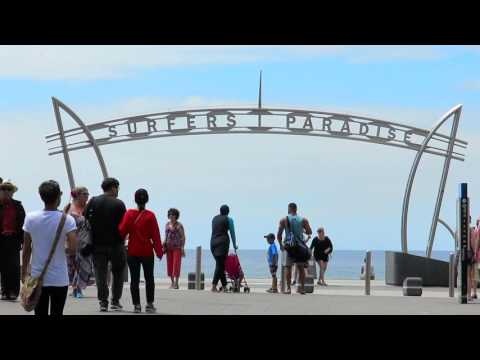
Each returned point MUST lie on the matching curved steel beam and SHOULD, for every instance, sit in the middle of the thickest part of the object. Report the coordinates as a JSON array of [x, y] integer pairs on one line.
[[449, 230], [273, 111], [101, 142], [443, 180], [413, 170], [58, 104], [66, 155]]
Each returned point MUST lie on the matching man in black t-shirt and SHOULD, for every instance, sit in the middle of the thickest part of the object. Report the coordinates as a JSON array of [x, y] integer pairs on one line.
[[104, 213]]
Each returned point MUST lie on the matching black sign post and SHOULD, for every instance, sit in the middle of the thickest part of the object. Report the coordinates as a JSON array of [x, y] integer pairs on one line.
[[463, 214]]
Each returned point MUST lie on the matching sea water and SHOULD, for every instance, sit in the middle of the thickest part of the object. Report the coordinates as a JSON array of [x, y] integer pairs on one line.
[[343, 264]]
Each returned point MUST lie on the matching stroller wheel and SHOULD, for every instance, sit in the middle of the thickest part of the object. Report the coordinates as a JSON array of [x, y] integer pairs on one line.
[[247, 290]]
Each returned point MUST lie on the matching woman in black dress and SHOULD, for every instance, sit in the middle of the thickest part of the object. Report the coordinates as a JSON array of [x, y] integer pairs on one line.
[[322, 248]]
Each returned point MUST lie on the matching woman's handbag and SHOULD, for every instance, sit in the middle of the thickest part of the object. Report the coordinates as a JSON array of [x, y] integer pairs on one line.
[[32, 287]]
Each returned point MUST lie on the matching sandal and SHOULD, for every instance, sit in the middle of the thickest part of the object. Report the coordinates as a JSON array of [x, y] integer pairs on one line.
[[287, 292], [272, 291]]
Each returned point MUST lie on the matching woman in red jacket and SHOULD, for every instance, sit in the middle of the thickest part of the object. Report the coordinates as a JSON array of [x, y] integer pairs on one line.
[[144, 238]]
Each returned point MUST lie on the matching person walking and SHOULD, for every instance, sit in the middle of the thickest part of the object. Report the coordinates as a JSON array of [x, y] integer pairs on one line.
[[220, 244], [322, 248], [104, 213], [473, 263], [141, 227], [12, 217], [80, 267], [296, 225], [175, 246], [272, 259], [40, 231]]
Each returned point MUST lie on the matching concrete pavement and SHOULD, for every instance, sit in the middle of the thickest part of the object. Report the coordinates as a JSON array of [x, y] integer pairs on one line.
[[341, 297]]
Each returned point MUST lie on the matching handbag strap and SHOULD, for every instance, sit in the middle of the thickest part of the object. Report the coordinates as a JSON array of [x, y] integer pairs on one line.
[[138, 217], [54, 245]]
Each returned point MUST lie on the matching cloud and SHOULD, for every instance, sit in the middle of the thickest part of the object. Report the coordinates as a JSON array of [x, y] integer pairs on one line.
[[470, 85], [85, 62]]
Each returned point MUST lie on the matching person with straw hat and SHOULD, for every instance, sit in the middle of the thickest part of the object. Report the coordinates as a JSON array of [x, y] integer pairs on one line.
[[12, 217]]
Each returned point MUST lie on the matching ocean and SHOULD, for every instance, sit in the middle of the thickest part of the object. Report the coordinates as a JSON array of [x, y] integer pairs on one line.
[[343, 265]]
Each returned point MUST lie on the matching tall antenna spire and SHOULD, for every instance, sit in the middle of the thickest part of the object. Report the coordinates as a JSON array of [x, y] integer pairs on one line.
[[260, 92]]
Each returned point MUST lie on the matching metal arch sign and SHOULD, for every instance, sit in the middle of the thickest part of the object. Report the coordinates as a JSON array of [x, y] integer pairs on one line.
[[260, 120], [253, 121]]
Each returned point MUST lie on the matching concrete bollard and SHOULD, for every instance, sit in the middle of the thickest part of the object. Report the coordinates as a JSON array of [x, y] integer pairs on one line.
[[451, 275], [412, 286], [198, 269], [192, 281], [368, 267]]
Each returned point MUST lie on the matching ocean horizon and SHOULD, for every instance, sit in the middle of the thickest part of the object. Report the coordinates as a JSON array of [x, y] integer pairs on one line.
[[343, 264]]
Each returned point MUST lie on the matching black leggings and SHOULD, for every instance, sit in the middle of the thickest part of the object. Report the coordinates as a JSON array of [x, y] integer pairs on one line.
[[56, 296], [220, 270], [134, 263], [10, 265]]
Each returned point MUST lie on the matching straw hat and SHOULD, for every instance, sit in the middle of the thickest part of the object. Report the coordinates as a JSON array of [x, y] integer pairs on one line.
[[8, 186]]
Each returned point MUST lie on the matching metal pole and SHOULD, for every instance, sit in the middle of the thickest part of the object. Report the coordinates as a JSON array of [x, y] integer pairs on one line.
[[282, 286], [367, 272], [463, 213], [451, 277], [198, 270]]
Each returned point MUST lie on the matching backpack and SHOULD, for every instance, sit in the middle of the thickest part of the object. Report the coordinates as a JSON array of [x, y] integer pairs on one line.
[[296, 248], [84, 238], [84, 231]]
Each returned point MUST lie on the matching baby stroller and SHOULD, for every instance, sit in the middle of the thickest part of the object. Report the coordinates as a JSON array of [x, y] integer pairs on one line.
[[235, 274]]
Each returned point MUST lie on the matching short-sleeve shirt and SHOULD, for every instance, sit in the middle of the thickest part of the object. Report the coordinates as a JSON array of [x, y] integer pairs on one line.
[[272, 255], [42, 227]]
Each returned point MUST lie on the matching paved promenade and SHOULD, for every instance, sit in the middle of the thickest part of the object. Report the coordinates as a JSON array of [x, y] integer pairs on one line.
[[341, 297]]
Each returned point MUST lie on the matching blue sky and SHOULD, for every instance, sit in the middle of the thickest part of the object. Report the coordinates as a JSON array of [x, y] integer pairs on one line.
[[354, 190]]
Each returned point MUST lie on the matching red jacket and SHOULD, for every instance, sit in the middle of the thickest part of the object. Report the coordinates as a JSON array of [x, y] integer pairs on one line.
[[143, 231]]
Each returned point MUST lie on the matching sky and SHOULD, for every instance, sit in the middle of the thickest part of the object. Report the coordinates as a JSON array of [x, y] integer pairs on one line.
[[354, 190]]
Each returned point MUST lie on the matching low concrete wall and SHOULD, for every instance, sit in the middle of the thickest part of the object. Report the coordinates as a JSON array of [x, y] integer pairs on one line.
[[399, 265]]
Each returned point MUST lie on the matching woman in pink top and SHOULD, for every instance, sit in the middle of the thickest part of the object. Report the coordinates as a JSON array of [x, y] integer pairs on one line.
[[175, 246], [80, 268]]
